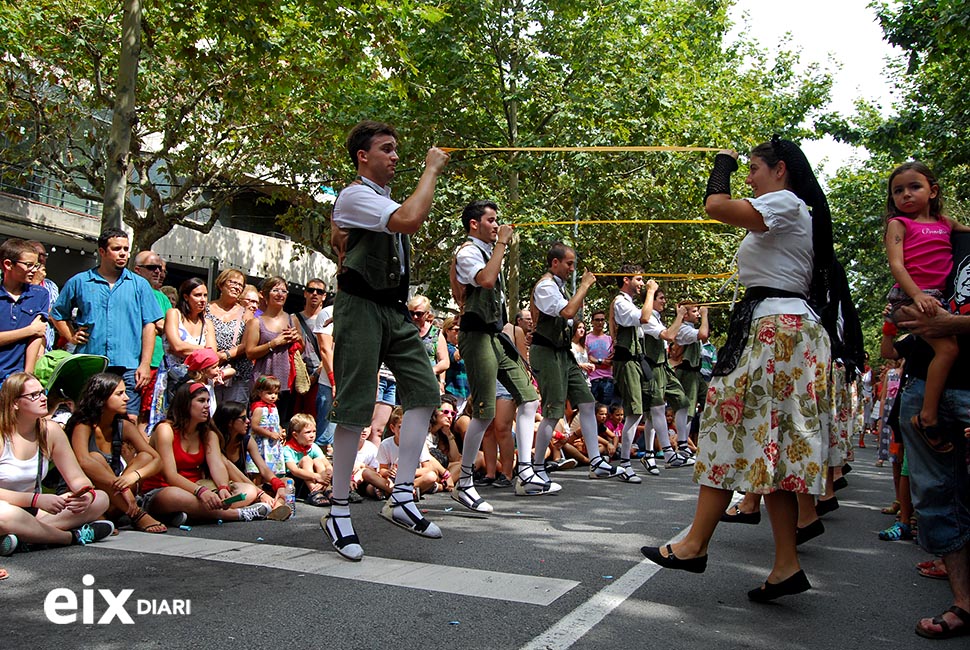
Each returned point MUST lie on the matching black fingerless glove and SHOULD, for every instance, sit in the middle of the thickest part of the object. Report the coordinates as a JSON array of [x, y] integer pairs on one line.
[[720, 179]]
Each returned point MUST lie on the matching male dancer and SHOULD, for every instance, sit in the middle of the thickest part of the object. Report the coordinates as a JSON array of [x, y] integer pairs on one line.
[[371, 325], [664, 389], [478, 269], [556, 371], [688, 373], [628, 358]]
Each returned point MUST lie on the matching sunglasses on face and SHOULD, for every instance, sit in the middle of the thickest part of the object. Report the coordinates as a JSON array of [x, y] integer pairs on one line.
[[154, 268], [319, 292], [418, 314]]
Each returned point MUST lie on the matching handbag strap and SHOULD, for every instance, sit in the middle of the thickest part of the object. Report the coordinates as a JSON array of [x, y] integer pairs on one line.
[[313, 338], [40, 458], [116, 442]]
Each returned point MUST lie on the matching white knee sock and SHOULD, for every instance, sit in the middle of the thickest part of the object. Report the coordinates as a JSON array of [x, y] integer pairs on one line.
[[470, 447], [345, 441], [658, 416], [525, 426], [587, 423], [547, 427], [629, 432], [682, 424], [414, 430]]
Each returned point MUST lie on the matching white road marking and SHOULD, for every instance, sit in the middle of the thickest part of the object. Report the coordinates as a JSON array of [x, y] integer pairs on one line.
[[510, 587], [574, 625]]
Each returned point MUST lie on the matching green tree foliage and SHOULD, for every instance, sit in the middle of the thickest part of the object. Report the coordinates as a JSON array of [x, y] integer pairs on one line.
[[551, 73], [226, 92]]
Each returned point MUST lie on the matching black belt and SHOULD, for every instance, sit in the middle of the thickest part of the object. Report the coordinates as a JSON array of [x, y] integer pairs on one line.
[[737, 336]]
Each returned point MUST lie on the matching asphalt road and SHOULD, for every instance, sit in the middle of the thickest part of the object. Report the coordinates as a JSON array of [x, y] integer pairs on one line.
[[551, 572]]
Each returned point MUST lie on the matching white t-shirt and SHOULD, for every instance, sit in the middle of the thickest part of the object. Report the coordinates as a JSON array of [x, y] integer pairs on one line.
[[783, 256], [367, 455], [325, 315], [388, 452]]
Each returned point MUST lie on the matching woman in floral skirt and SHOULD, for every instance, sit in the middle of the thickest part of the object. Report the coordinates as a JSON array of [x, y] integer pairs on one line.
[[765, 426]]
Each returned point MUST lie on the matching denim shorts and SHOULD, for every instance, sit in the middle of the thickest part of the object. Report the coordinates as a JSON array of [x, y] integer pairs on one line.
[[939, 482], [386, 391], [501, 392]]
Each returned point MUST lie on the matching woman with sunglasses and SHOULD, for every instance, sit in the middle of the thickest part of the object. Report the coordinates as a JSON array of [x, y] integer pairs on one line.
[[29, 444], [268, 339], [228, 317]]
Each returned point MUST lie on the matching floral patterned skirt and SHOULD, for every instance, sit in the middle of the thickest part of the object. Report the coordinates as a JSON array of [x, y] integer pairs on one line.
[[843, 420], [765, 426]]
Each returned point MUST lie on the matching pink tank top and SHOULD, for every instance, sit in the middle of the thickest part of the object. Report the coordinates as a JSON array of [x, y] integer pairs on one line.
[[927, 252]]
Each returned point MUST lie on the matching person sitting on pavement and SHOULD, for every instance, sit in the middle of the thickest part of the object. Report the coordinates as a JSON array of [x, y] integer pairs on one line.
[[425, 478], [232, 421], [30, 444], [98, 430], [306, 462], [189, 446], [443, 443], [366, 480]]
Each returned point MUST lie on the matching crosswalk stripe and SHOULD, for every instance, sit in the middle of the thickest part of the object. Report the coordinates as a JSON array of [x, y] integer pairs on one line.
[[495, 585]]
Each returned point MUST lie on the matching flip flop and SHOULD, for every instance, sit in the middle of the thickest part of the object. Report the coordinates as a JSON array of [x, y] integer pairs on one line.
[[933, 572], [931, 436]]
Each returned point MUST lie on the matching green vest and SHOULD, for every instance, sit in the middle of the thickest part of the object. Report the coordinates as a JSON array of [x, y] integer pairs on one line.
[[485, 303], [629, 337], [554, 329], [692, 355], [654, 350], [375, 259]]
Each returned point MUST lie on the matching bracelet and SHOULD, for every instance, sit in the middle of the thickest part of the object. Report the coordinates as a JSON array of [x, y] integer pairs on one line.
[[504, 243], [199, 490], [138, 473], [330, 377], [277, 483], [224, 487], [260, 494], [33, 502]]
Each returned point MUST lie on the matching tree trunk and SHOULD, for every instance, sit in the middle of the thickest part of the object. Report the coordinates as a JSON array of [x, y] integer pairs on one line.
[[123, 119]]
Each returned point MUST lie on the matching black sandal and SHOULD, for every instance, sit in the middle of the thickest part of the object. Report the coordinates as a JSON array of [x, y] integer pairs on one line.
[[416, 523], [932, 436], [347, 545], [947, 632]]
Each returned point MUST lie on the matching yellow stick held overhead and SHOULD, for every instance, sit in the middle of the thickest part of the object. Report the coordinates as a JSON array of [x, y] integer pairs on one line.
[[583, 149], [594, 222]]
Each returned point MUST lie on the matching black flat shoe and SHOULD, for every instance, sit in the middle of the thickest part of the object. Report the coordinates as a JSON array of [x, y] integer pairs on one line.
[[742, 517], [793, 585], [846, 469], [840, 483], [810, 531], [671, 561], [826, 506]]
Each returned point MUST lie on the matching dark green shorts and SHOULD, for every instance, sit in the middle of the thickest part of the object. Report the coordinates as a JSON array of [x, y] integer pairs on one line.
[[690, 381], [364, 335], [665, 389], [485, 362], [628, 382], [559, 379]]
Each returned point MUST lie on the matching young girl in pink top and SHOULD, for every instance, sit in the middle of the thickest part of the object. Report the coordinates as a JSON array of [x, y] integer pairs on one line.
[[921, 258]]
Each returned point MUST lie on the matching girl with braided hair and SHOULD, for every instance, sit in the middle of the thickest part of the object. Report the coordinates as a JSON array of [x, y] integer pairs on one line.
[[767, 416]]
